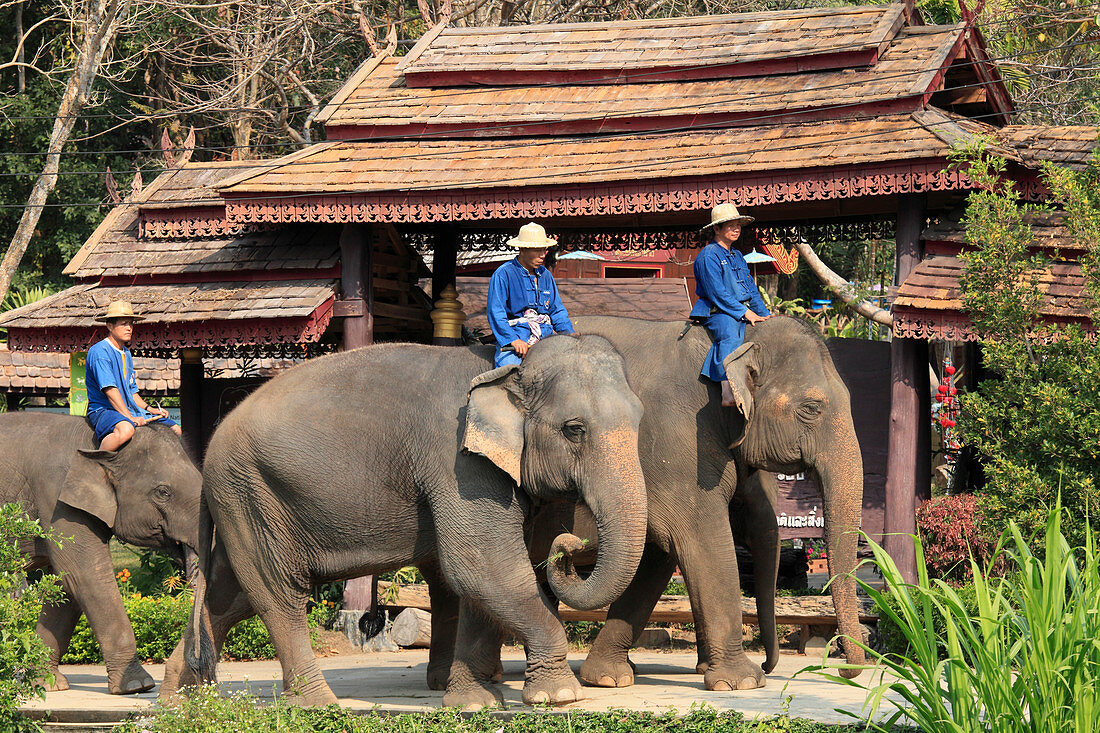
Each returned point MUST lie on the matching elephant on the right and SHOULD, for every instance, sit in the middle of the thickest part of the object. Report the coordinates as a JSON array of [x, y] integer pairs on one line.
[[707, 480], [705, 469]]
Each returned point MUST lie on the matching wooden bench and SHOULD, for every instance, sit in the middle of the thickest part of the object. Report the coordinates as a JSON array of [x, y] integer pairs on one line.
[[802, 611]]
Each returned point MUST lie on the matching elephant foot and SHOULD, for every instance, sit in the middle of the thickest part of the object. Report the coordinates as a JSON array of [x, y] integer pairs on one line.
[[738, 673], [318, 696], [473, 697], [437, 677], [559, 687], [702, 667], [60, 682], [134, 679], [603, 672]]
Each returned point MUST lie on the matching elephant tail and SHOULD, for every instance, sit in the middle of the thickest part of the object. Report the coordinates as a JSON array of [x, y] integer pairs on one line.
[[199, 650]]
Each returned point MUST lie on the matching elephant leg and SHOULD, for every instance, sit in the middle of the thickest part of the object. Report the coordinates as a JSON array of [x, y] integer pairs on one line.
[[228, 606], [608, 663], [708, 561], [486, 562], [56, 624], [281, 604], [88, 576], [476, 659], [753, 520], [445, 611]]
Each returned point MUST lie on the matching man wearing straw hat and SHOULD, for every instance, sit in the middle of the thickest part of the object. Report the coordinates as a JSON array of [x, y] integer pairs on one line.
[[728, 296], [114, 406], [523, 304]]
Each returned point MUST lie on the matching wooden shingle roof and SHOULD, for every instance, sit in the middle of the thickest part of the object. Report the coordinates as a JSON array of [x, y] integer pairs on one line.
[[409, 165], [116, 249], [190, 185], [179, 315], [1068, 146], [381, 103], [701, 47]]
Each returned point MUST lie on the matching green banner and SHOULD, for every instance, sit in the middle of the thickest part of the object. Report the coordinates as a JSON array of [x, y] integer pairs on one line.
[[78, 389]]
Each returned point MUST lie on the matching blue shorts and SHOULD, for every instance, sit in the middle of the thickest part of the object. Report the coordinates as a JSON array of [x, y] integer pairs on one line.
[[103, 422]]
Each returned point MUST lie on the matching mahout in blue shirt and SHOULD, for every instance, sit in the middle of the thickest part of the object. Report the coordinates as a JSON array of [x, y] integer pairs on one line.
[[513, 290], [110, 367], [726, 291]]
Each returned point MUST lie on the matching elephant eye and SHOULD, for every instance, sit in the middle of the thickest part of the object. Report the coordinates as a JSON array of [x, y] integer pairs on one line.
[[574, 430], [162, 494], [811, 409]]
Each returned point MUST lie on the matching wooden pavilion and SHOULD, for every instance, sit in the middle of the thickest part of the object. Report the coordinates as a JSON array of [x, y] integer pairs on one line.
[[825, 124]]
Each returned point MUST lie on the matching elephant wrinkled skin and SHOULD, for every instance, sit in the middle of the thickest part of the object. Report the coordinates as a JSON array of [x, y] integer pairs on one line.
[[361, 462], [146, 494]]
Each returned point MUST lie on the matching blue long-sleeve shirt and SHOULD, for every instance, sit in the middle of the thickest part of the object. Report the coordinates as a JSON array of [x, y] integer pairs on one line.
[[512, 290], [723, 282]]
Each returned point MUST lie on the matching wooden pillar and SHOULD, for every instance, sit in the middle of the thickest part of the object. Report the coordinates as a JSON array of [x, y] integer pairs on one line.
[[447, 331], [908, 476], [357, 282], [191, 377]]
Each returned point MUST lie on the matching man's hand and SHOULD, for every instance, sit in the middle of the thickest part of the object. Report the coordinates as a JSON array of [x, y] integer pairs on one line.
[[139, 421], [521, 347], [753, 318], [158, 410]]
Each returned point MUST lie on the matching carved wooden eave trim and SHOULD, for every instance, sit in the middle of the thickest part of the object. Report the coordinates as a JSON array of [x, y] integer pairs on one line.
[[610, 198], [174, 335], [929, 325], [206, 222]]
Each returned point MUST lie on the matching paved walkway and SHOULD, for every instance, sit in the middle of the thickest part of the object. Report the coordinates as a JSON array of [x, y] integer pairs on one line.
[[394, 681]]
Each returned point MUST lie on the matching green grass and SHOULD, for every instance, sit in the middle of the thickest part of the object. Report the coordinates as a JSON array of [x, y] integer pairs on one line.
[[206, 712]]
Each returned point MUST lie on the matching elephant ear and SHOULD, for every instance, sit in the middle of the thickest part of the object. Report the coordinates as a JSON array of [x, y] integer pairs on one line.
[[88, 486], [742, 369], [494, 421]]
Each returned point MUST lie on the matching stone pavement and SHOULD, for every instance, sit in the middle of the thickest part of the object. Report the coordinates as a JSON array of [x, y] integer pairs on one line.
[[395, 682]]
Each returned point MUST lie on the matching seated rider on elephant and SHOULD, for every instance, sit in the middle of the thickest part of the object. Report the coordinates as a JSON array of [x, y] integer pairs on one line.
[[114, 406], [728, 296], [523, 304]]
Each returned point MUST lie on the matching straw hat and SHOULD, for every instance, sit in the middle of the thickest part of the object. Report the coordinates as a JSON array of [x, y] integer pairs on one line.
[[726, 212], [530, 236], [119, 309]]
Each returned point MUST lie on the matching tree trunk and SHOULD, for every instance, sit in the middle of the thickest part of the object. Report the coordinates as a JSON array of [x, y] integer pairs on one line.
[[412, 628], [840, 286], [100, 25]]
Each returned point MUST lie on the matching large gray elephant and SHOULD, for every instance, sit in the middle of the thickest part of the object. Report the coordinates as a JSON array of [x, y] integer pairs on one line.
[[706, 471], [146, 494], [705, 468], [365, 461]]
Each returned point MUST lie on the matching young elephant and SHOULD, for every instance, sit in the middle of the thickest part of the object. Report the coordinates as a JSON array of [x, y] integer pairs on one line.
[[364, 461], [147, 494]]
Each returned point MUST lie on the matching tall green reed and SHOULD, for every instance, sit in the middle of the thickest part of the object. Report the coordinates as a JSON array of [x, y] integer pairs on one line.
[[1027, 660]]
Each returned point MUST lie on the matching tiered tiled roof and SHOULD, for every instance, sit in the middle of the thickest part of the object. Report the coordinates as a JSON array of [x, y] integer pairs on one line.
[[635, 117], [929, 303], [202, 281]]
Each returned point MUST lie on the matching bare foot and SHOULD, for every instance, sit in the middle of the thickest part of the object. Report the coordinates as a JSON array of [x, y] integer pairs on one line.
[[728, 399]]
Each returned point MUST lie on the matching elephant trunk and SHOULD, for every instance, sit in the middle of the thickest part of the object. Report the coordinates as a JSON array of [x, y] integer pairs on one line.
[[620, 510], [841, 478]]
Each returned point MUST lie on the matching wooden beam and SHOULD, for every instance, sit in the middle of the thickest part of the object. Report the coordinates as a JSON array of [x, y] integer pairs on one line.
[[356, 279], [909, 464], [191, 378], [444, 263]]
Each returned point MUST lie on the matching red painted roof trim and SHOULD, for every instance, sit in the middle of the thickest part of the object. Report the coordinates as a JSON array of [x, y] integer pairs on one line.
[[182, 334], [608, 198]]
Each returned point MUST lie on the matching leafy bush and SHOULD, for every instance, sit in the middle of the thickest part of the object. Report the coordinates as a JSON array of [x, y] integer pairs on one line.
[[1024, 659], [954, 528], [159, 622], [24, 658], [1035, 421], [206, 712]]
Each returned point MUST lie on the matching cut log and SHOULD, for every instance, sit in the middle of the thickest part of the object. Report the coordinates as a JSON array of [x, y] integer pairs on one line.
[[412, 628]]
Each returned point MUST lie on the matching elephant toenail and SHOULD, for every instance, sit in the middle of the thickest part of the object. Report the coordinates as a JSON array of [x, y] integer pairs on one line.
[[722, 686]]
